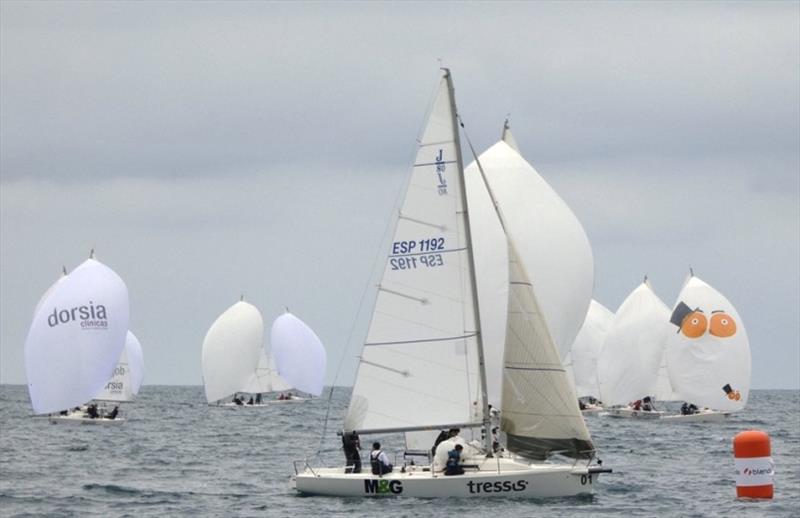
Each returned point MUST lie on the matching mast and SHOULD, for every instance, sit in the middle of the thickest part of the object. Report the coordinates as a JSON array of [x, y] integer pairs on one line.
[[487, 436]]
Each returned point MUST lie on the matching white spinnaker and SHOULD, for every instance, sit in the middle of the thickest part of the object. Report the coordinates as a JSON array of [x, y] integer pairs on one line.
[[586, 349], [300, 357], [230, 351], [664, 390], [266, 377], [627, 368], [76, 338], [419, 364], [539, 412], [551, 242], [48, 292], [118, 387], [135, 361], [700, 368]]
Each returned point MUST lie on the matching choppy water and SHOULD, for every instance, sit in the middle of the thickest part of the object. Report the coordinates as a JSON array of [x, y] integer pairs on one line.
[[177, 456]]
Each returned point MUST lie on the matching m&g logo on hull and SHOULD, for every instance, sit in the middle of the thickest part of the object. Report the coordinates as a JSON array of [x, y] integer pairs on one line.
[[383, 487], [90, 316]]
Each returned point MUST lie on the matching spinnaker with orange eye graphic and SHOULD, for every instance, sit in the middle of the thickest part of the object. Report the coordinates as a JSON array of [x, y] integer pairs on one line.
[[708, 354]]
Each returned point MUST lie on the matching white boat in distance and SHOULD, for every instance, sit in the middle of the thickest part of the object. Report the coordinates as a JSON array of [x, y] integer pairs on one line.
[[122, 387], [76, 338], [707, 353], [422, 365], [234, 361]]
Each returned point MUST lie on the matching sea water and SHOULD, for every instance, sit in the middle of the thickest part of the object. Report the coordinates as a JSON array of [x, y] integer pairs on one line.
[[175, 455]]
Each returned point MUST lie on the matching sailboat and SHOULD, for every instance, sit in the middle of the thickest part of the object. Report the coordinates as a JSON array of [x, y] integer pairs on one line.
[[707, 353], [266, 378], [423, 366], [632, 353], [122, 387], [584, 355], [300, 357], [231, 351], [76, 338]]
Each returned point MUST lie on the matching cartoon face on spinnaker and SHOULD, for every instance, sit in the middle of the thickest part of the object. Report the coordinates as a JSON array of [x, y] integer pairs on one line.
[[708, 354]]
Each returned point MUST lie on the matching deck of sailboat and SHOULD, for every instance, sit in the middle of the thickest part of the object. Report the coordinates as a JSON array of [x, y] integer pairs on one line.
[[488, 477]]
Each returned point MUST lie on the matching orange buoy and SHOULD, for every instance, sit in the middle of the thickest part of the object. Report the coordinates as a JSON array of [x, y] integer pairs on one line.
[[754, 467]]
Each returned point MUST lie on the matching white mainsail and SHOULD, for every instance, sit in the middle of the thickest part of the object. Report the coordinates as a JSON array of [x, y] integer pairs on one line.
[[76, 338], [632, 352], [549, 239], [300, 357], [128, 373], [586, 349], [231, 350], [266, 378], [708, 352], [419, 364]]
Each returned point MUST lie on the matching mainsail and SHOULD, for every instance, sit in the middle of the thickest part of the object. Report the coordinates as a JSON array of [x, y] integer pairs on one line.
[[708, 352], [419, 364], [231, 350], [266, 377], [633, 349], [76, 338]]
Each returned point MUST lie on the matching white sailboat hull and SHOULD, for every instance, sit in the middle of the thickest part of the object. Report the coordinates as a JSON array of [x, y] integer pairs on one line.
[[512, 479], [629, 413], [79, 419], [266, 403], [709, 416]]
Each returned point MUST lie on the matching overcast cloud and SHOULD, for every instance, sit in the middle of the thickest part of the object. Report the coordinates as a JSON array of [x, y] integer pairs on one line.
[[207, 150]]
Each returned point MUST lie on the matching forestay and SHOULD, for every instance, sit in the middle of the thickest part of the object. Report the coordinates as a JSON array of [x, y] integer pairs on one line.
[[300, 357], [76, 338], [551, 243], [540, 413], [586, 349], [230, 351], [633, 349], [419, 364], [708, 352]]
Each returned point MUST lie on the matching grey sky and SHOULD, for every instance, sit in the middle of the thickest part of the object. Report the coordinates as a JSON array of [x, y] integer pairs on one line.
[[207, 150]]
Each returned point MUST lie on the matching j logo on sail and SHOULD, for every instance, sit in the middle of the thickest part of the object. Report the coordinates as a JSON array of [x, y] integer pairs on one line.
[[440, 167]]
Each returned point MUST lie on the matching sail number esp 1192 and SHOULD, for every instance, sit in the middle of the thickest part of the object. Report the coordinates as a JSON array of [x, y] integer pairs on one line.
[[408, 255]]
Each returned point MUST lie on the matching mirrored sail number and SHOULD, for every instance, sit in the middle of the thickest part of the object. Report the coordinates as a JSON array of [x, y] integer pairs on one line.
[[418, 261]]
